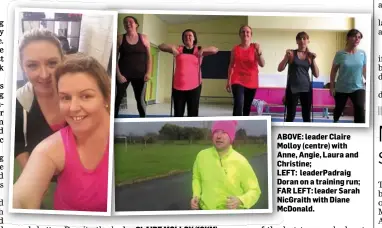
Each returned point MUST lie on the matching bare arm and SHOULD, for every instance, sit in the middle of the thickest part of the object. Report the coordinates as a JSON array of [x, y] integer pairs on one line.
[[287, 59], [210, 51], [333, 74], [282, 64], [364, 71], [261, 60], [259, 55], [315, 70], [230, 67], [22, 159], [149, 57], [167, 48], [119, 42], [29, 189]]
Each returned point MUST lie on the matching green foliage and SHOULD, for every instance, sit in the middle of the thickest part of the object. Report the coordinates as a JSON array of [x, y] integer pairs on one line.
[[171, 132]]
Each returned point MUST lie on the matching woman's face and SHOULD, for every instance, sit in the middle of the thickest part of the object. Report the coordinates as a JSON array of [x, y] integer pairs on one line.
[[39, 62], [81, 101], [355, 40], [302, 42], [130, 24], [246, 34], [188, 38], [221, 140]]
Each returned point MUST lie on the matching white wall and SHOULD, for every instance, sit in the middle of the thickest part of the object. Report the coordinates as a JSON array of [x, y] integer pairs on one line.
[[96, 37], [364, 25], [338, 23]]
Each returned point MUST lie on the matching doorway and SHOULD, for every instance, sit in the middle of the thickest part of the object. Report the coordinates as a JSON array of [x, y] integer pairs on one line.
[[151, 89]]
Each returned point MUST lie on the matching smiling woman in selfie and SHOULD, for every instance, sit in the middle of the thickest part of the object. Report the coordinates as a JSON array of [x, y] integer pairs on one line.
[[79, 153], [40, 53]]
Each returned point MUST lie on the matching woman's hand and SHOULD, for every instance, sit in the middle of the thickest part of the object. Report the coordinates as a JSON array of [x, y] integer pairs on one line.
[[288, 53], [121, 79], [332, 90], [228, 87], [175, 51], [258, 49], [312, 55]]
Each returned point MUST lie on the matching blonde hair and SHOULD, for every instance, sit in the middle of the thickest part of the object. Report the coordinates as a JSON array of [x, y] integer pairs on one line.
[[81, 63], [39, 35]]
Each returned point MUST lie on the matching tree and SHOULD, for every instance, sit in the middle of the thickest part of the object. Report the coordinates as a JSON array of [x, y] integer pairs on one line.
[[153, 137], [241, 134], [169, 132], [206, 129]]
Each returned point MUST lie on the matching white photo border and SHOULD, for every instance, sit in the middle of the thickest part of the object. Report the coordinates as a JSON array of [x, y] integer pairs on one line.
[[17, 21], [203, 212], [368, 51]]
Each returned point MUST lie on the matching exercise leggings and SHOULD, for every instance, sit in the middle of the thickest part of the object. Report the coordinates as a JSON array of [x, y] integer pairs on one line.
[[242, 100], [139, 87], [357, 98], [291, 100], [190, 98]]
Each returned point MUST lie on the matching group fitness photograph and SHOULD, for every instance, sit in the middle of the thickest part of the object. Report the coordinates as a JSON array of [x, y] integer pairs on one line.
[[292, 68], [76, 74]]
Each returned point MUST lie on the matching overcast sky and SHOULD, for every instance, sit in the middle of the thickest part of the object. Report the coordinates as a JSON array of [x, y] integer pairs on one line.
[[253, 127]]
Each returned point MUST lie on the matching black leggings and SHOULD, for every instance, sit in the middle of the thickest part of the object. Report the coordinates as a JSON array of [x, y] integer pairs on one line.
[[357, 98], [139, 87], [189, 97], [291, 100], [242, 100]]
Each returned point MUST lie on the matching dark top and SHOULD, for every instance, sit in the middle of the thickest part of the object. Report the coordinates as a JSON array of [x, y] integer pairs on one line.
[[132, 61], [37, 128], [190, 51], [298, 75]]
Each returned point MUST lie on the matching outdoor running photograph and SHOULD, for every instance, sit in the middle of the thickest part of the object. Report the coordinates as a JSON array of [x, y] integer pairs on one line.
[[295, 68], [187, 165], [61, 112]]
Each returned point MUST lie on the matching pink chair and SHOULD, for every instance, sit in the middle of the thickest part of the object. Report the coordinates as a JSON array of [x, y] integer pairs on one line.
[[273, 96]]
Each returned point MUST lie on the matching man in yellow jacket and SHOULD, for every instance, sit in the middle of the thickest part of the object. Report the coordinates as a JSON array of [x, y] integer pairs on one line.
[[223, 178]]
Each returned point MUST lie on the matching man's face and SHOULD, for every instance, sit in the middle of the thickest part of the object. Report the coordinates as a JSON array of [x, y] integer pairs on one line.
[[221, 140]]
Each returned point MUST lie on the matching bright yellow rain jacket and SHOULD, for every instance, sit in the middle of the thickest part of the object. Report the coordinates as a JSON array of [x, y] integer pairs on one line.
[[214, 179]]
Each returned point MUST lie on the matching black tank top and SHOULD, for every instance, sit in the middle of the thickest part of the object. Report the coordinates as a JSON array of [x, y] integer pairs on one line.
[[133, 59]]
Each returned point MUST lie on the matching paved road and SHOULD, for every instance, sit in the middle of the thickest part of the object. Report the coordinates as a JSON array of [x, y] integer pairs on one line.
[[175, 192]]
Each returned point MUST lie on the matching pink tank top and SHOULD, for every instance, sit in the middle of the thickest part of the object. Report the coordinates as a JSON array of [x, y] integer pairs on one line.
[[187, 75], [245, 70], [79, 189]]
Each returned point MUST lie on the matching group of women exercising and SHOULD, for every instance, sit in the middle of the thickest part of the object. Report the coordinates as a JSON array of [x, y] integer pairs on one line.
[[134, 65], [63, 112]]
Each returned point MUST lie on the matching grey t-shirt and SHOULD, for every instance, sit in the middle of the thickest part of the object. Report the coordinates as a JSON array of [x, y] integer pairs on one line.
[[298, 75]]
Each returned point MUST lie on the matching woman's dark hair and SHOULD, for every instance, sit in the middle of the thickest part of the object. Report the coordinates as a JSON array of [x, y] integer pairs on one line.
[[353, 32], [301, 35], [134, 19], [193, 32]]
